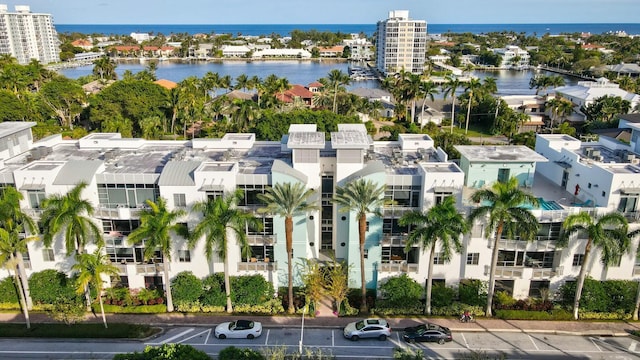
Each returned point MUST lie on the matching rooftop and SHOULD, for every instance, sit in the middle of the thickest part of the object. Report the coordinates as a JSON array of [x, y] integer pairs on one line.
[[506, 153]]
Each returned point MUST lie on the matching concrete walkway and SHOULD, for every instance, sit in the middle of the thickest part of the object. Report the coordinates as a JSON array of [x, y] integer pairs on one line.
[[592, 328]]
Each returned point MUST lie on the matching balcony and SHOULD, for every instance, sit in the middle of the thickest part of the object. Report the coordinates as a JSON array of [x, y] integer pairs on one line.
[[258, 240], [122, 269], [537, 245], [257, 266], [151, 268], [119, 212], [393, 239], [398, 266], [547, 273], [396, 211], [34, 213], [632, 216], [505, 272]]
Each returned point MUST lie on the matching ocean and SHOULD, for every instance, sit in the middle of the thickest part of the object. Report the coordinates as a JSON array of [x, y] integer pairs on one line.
[[369, 29]]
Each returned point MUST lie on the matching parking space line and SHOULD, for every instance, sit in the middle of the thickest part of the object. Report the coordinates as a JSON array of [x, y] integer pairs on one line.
[[191, 337], [533, 342], [171, 338], [333, 334], [632, 346], [466, 344], [596, 345], [398, 336], [266, 340], [208, 335]]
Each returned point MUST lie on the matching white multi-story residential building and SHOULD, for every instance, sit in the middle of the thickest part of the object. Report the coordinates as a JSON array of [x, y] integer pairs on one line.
[[401, 43], [26, 35], [566, 175], [513, 57]]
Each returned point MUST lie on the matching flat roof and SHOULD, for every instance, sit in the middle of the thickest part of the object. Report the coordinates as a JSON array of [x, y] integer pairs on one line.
[[505, 153], [349, 139], [306, 139], [11, 127]]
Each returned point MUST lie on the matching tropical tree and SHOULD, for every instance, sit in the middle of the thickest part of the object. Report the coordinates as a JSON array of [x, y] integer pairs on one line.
[[450, 86], [427, 89], [220, 216], [241, 82], [288, 200], [14, 221], [472, 85], [560, 108], [70, 215], [442, 224], [155, 232], [105, 68], [504, 205], [608, 233], [337, 79], [90, 269], [337, 282], [8, 247], [65, 98], [363, 197]]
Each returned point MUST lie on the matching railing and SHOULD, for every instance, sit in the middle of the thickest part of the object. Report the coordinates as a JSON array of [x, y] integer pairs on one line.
[[632, 216], [121, 212], [508, 272], [636, 270], [257, 266], [547, 273], [34, 213], [536, 245], [122, 269], [393, 239], [391, 211], [151, 268], [261, 239], [398, 267]]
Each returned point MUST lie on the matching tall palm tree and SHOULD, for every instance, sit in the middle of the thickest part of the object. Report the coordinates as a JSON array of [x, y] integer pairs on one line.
[[472, 86], [560, 108], [70, 215], [450, 86], [441, 224], [337, 79], [503, 204], [427, 89], [608, 232], [156, 225], [363, 197], [15, 221], [219, 217], [105, 68], [90, 269], [8, 248], [288, 200], [241, 82]]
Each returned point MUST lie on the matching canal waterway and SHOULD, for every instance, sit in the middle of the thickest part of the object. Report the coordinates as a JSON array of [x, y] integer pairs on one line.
[[509, 82]]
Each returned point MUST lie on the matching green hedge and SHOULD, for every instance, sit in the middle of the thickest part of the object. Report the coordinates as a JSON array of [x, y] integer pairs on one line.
[[49, 286], [456, 309], [8, 291], [556, 314], [601, 296], [166, 352], [186, 288], [140, 309]]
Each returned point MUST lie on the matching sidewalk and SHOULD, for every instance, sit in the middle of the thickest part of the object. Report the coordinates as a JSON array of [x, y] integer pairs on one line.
[[591, 328]]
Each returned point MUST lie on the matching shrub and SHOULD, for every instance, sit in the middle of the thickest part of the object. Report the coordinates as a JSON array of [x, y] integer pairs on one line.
[[456, 309], [473, 292], [141, 309], [401, 291], [147, 296], [213, 290], [166, 352], [442, 295], [414, 309], [8, 291], [67, 311], [298, 297], [347, 310], [234, 353], [270, 307], [250, 290], [49, 286], [616, 315], [503, 300], [355, 298], [557, 314], [186, 288], [600, 296], [622, 294]]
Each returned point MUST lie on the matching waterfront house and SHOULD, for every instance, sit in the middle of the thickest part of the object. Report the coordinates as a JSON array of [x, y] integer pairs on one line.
[[513, 57]]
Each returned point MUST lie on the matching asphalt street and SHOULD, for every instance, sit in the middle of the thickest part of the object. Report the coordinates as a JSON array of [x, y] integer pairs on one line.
[[514, 345]]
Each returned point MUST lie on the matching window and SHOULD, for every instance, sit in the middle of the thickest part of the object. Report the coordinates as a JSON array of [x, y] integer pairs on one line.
[[127, 195], [539, 287], [212, 195], [438, 259], [261, 253], [628, 203], [184, 256], [473, 258], [402, 195], [35, 198], [397, 254], [578, 259], [440, 196], [119, 281], [265, 229], [251, 194], [153, 282], [179, 200], [393, 227], [47, 255]]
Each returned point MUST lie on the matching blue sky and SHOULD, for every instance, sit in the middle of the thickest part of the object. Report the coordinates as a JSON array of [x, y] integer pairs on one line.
[[332, 11]]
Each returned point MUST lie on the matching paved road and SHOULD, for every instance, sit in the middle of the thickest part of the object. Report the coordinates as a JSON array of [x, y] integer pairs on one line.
[[514, 345]]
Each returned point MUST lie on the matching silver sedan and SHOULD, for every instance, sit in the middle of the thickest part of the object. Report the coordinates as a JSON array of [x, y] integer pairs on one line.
[[368, 328]]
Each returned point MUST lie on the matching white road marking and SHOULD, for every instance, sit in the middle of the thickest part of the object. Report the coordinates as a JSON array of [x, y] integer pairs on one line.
[[191, 337], [633, 345], [596, 345], [208, 334], [398, 336], [266, 340], [173, 337], [466, 344], [533, 342], [333, 340]]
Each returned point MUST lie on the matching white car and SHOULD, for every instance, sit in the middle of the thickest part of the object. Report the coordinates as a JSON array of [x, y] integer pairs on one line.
[[240, 329], [368, 328]]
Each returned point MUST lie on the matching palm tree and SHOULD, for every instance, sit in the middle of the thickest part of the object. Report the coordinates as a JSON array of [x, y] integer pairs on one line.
[[70, 215], [220, 216], [503, 204], [288, 200], [441, 224], [156, 225], [90, 269], [427, 89], [364, 197], [337, 79], [450, 87], [472, 85], [608, 232], [105, 68], [560, 108], [14, 221], [8, 247], [241, 81]]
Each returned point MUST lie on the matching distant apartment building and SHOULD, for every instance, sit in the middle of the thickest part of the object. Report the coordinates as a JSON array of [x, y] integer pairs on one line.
[[26, 35], [140, 37], [401, 43], [513, 57]]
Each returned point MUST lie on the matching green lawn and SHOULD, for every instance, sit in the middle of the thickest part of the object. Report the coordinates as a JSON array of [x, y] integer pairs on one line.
[[93, 331], [474, 131]]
